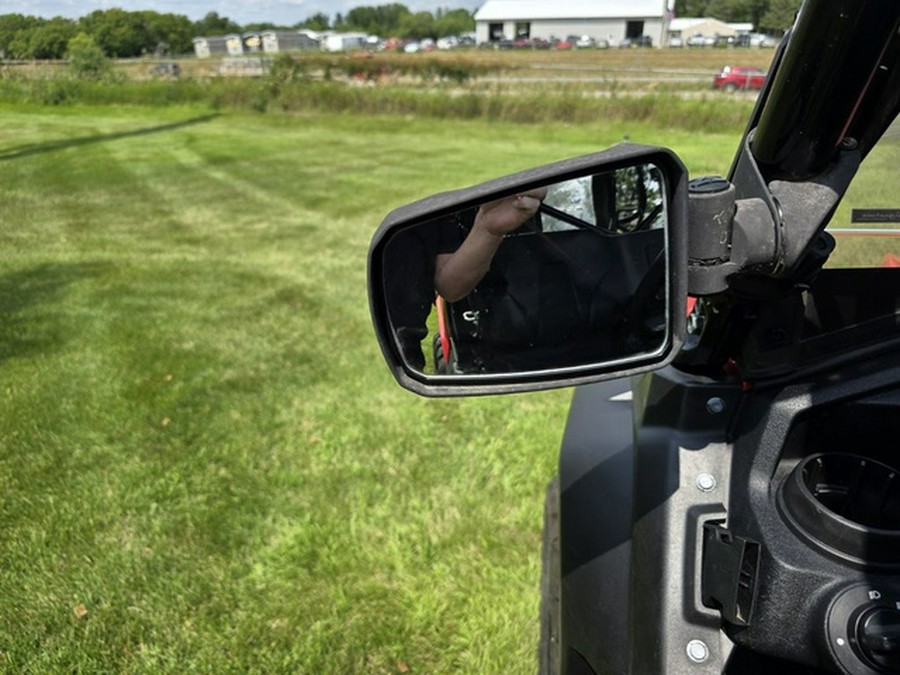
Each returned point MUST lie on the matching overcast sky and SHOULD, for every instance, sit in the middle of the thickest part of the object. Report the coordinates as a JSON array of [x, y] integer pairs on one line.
[[284, 12]]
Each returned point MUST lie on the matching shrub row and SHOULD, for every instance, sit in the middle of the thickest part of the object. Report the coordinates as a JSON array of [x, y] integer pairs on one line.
[[363, 65]]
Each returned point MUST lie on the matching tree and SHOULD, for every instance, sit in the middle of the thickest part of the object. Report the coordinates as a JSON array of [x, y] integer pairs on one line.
[[756, 9], [773, 16], [418, 26], [174, 30], [117, 32], [691, 8], [212, 24], [732, 11], [10, 27], [261, 27], [779, 16], [128, 34], [382, 20], [86, 59], [728, 10], [317, 22], [454, 22], [46, 41]]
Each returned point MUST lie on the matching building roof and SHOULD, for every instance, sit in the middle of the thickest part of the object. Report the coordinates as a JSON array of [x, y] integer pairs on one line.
[[508, 10], [685, 25]]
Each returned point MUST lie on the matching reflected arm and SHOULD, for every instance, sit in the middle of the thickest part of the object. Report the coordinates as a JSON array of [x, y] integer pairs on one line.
[[457, 273]]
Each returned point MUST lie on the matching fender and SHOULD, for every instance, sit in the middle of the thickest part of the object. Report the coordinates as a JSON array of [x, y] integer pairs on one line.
[[596, 500]]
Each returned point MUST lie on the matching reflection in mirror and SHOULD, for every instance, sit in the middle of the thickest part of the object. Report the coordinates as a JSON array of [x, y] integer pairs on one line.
[[558, 276]]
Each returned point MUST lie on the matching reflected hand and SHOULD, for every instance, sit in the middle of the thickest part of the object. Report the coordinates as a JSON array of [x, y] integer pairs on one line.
[[504, 215], [457, 274]]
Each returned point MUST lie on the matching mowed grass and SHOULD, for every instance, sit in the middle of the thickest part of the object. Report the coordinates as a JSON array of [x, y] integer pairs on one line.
[[204, 464]]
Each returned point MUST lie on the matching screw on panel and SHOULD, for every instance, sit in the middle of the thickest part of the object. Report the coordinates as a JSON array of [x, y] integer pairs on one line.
[[849, 143], [715, 405], [697, 651], [706, 482]]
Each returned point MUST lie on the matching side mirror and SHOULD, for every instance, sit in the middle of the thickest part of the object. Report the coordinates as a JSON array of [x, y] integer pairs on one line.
[[570, 273]]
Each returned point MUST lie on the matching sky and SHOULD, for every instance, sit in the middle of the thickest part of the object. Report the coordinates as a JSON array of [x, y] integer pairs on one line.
[[282, 12]]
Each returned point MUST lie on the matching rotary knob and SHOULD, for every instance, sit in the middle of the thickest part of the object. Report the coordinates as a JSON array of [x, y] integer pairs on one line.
[[878, 637]]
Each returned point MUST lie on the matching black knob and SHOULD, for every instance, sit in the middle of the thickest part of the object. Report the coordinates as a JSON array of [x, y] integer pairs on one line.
[[878, 637]]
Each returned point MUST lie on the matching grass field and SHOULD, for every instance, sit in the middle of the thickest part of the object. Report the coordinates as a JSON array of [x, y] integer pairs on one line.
[[204, 464]]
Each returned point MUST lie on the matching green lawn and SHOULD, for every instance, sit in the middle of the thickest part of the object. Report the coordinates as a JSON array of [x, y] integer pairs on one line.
[[204, 464]]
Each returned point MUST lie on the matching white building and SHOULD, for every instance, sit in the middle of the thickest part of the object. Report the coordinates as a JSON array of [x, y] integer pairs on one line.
[[286, 41], [204, 47], [685, 28], [611, 20], [235, 44], [342, 42]]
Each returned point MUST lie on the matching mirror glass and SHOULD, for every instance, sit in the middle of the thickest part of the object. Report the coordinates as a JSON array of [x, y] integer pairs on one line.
[[565, 275]]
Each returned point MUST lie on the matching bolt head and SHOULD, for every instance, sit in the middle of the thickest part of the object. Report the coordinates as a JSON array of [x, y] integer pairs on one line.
[[715, 405], [697, 651], [706, 482]]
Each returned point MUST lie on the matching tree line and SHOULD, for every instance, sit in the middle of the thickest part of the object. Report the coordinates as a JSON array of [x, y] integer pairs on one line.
[[126, 34]]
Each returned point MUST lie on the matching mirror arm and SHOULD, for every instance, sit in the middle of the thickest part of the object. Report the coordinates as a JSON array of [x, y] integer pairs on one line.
[[770, 229]]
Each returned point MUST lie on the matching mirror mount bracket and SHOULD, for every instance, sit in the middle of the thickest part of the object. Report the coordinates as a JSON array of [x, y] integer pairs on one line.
[[749, 226]]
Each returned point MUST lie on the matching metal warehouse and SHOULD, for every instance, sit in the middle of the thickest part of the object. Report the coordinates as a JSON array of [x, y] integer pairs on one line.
[[611, 20]]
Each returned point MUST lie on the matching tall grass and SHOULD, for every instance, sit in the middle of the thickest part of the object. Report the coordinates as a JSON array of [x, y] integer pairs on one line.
[[434, 88], [537, 105]]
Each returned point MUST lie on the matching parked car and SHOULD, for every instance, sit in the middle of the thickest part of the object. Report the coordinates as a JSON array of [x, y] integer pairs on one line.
[[700, 40], [727, 498], [585, 41], [739, 78], [639, 41], [763, 41], [166, 70], [722, 41]]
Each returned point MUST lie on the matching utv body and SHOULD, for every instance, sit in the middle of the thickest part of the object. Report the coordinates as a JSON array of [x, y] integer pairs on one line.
[[728, 497]]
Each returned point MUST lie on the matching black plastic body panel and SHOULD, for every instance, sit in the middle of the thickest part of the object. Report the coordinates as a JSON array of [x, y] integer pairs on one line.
[[636, 494], [596, 498], [622, 560]]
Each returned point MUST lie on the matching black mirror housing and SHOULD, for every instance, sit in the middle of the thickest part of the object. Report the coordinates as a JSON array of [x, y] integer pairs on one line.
[[669, 175]]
